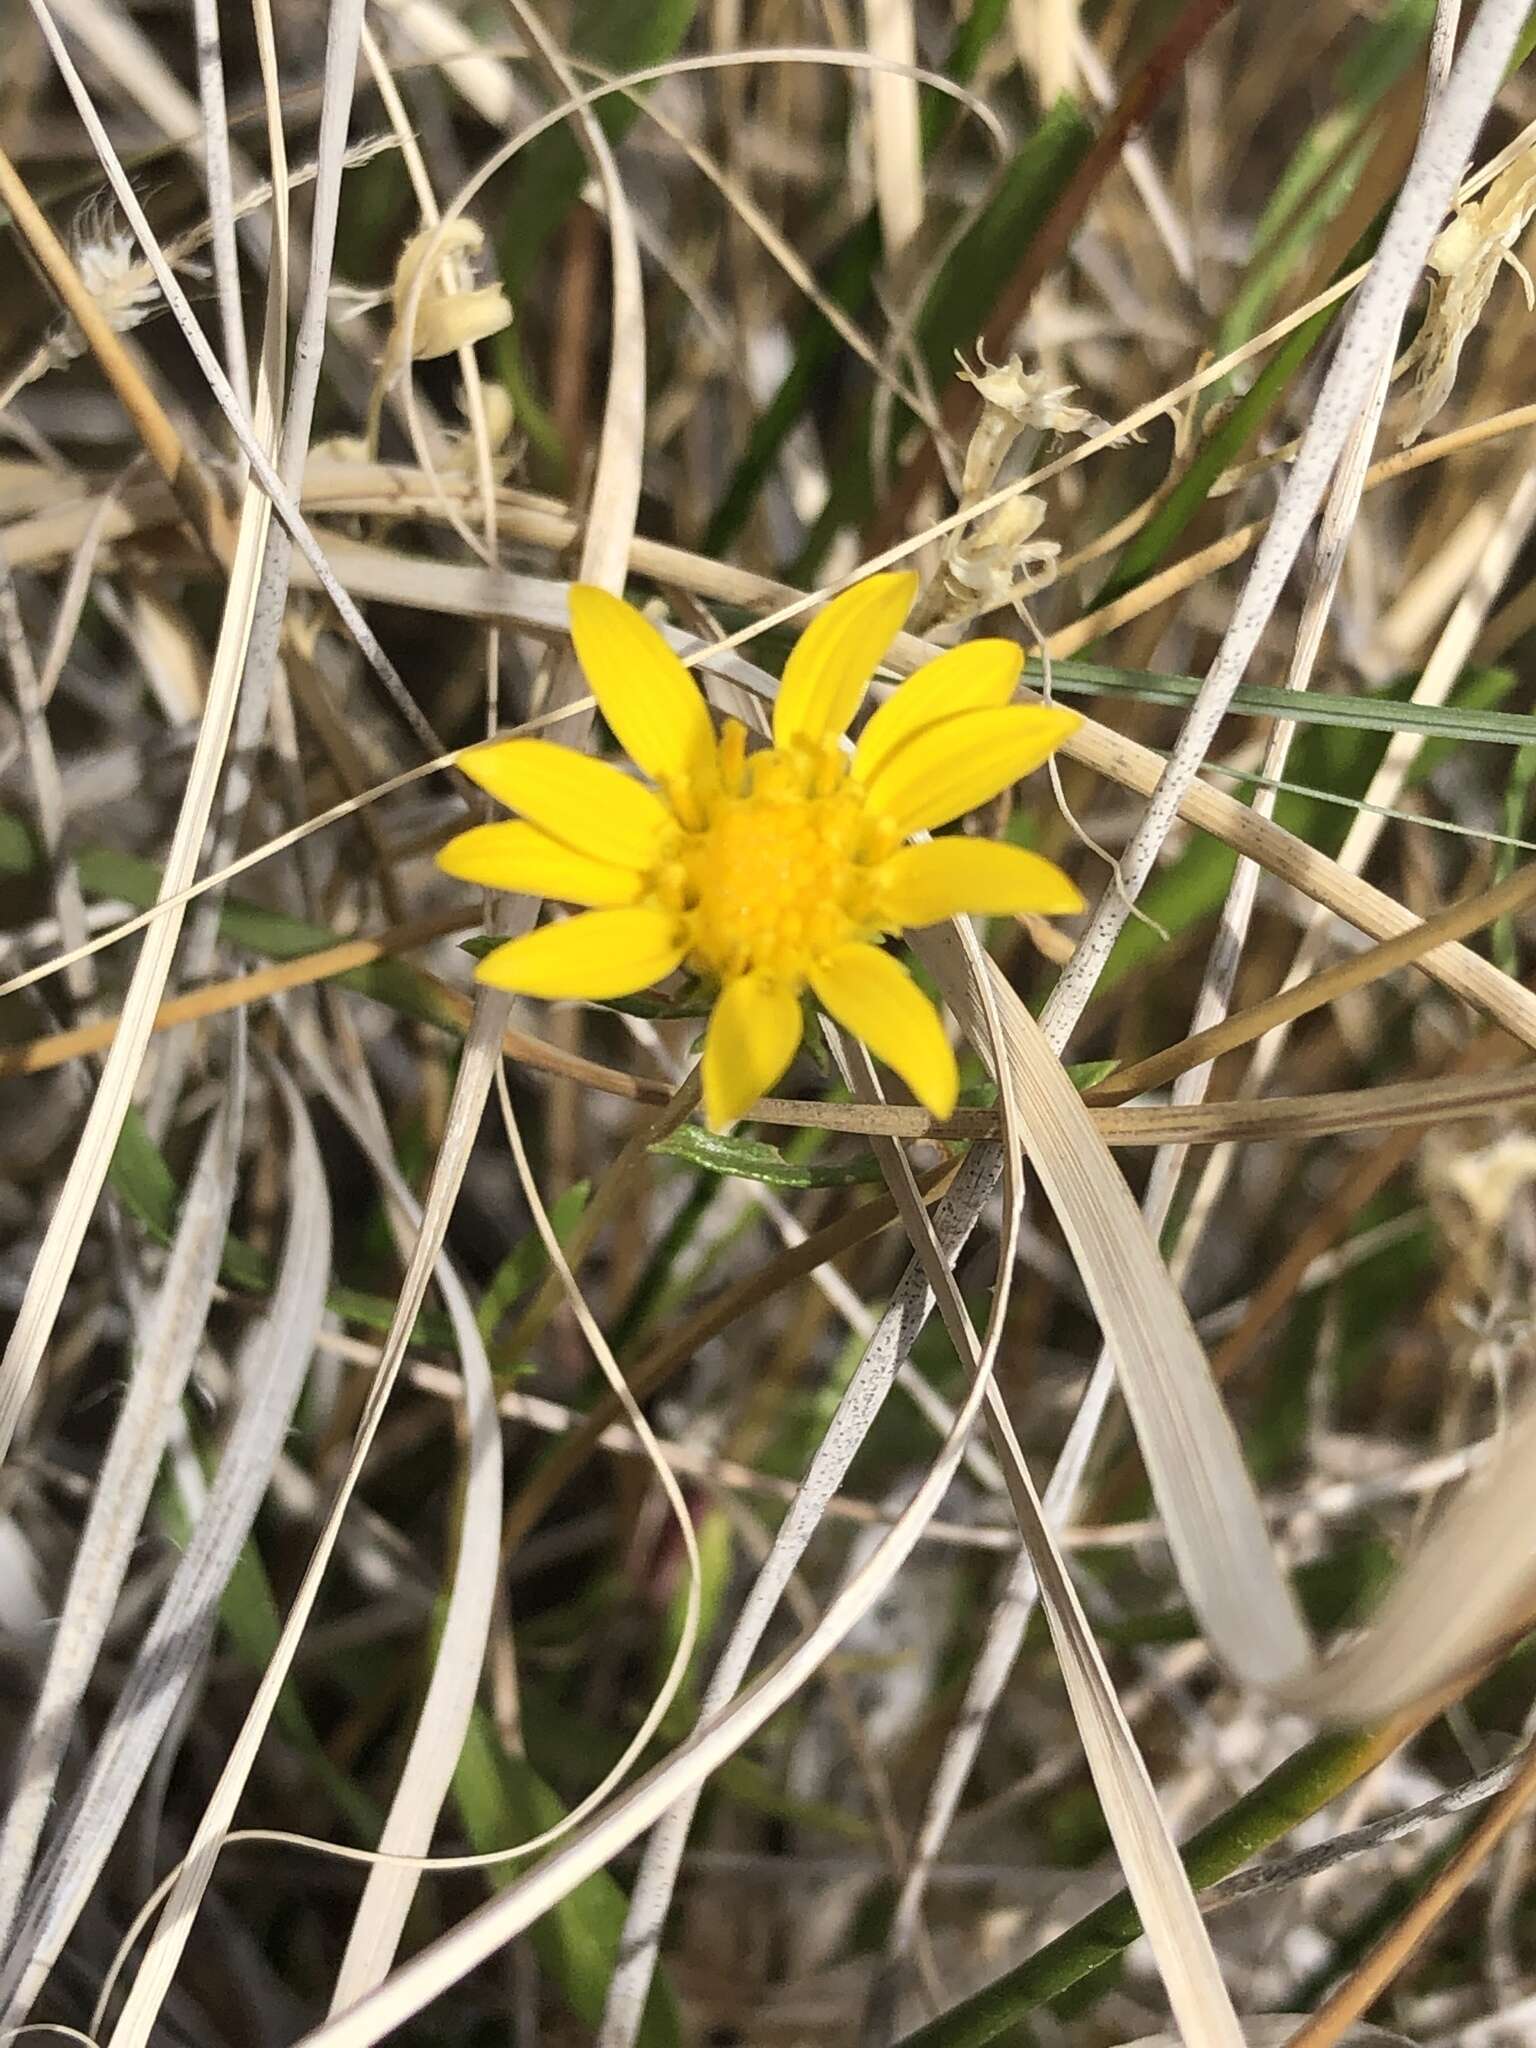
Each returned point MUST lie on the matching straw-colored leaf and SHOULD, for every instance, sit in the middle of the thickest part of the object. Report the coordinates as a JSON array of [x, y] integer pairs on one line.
[[168, 1342], [443, 1723], [273, 1361]]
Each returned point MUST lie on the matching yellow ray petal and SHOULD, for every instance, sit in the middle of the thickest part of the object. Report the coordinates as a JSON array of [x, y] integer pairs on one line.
[[599, 954], [982, 877], [653, 705], [518, 856], [754, 1029], [587, 803], [831, 663], [874, 997], [961, 762], [980, 676]]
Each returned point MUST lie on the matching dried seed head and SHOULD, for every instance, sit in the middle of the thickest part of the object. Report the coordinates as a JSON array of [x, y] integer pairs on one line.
[[1465, 259], [117, 278], [990, 564], [1015, 403], [998, 559], [496, 403], [450, 312]]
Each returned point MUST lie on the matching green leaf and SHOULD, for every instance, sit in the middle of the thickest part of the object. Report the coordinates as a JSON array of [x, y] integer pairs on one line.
[[503, 1800], [990, 250], [104, 872], [960, 302], [1314, 186], [661, 1009], [615, 36], [1305, 707], [149, 1191], [1216, 453], [1088, 1074], [527, 1262], [1517, 797], [848, 281], [713, 1531], [755, 1159]]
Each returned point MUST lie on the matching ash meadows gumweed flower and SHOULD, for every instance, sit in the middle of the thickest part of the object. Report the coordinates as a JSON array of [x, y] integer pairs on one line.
[[775, 871]]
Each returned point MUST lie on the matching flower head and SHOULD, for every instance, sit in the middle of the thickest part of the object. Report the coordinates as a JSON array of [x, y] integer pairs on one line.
[[775, 871]]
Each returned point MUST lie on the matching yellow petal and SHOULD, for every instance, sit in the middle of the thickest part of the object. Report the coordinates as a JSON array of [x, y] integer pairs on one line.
[[980, 676], [518, 856], [754, 1029], [956, 877], [961, 762], [654, 707], [831, 663], [602, 953], [874, 997], [586, 803]]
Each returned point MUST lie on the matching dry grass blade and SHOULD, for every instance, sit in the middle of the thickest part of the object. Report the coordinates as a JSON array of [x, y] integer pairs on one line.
[[256, 450], [866, 1392], [438, 1967], [273, 1361], [66, 1231], [238, 993], [47, 790], [1468, 1584], [891, 30], [1365, 1984], [260, 676], [1155, 1875], [466, 1619], [221, 197], [1185, 1434], [171, 1333], [273, 1369], [1445, 143], [1302, 997]]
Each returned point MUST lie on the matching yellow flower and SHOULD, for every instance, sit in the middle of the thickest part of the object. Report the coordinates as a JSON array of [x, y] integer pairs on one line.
[[773, 871]]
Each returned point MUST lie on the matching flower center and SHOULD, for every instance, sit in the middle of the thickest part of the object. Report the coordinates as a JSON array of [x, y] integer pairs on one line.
[[775, 879]]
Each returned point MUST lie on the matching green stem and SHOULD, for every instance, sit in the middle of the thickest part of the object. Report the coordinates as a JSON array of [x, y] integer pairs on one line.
[[1319, 1772]]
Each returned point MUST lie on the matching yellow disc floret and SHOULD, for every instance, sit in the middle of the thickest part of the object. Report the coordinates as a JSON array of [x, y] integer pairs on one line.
[[776, 877]]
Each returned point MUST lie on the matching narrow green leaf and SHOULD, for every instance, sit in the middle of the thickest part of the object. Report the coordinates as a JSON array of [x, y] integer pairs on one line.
[[1216, 453], [1313, 187], [986, 256], [503, 1800], [755, 1159], [527, 1262], [1456, 722], [849, 282]]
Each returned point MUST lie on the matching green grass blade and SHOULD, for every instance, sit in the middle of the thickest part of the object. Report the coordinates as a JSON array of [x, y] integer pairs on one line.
[[1454, 722]]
